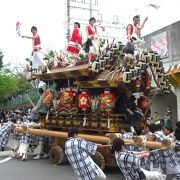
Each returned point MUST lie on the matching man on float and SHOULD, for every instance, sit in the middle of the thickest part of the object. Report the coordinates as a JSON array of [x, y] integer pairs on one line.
[[38, 63], [91, 47], [133, 36], [128, 107], [75, 43]]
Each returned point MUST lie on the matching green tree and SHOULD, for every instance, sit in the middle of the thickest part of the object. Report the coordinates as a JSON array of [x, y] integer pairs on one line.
[[12, 85], [8, 87], [22, 84]]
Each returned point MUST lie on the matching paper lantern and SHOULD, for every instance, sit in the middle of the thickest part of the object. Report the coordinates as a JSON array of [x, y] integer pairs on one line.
[[107, 99], [84, 100]]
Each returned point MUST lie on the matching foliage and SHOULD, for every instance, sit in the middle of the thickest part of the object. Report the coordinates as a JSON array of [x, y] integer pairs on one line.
[[11, 85], [51, 54], [7, 86]]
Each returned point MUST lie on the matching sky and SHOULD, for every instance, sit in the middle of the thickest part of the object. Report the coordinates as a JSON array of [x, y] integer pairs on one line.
[[49, 17]]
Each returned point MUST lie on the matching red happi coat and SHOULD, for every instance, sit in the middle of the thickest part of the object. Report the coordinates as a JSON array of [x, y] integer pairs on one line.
[[75, 43], [36, 43], [91, 32]]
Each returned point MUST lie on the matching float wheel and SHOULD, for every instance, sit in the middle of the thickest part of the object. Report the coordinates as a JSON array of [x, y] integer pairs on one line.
[[56, 155], [98, 158]]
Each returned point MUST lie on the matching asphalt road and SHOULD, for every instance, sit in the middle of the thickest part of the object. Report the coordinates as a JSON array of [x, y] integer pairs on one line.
[[42, 170]]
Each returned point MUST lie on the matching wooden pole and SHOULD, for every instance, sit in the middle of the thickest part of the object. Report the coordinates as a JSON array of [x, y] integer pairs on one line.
[[30, 100], [93, 138]]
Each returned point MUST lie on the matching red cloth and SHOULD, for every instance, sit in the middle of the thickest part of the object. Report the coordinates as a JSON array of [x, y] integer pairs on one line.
[[90, 31], [36, 43], [75, 41]]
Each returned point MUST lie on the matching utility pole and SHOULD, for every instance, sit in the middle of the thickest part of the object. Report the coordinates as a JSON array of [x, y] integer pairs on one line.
[[76, 10], [80, 10], [68, 20], [90, 8]]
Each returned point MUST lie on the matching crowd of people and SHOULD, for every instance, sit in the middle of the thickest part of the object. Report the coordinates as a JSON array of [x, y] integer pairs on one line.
[[134, 162], [21, 143], [165, 120]]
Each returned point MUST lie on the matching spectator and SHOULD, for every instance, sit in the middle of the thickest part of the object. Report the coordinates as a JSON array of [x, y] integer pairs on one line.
[[155, 118], [167, 119], [169, 111]]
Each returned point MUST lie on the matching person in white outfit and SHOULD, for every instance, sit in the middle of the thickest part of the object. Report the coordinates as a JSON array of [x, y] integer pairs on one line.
[[37, 62]]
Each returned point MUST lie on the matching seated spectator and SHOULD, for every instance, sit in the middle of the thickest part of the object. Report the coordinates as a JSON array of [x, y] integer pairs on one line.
[[128, 107]]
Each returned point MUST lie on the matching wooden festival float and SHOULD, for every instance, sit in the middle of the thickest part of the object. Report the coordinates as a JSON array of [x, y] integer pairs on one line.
[[87, 99]]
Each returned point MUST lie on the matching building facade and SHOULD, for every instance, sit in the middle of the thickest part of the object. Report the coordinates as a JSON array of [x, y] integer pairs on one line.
[[166, 42]]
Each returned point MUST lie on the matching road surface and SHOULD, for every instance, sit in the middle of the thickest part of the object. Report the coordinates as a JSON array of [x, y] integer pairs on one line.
[[12, 169]]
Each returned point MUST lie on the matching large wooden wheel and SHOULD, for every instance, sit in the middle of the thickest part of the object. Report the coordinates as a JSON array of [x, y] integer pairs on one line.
[[99, 160], [56, 155]]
